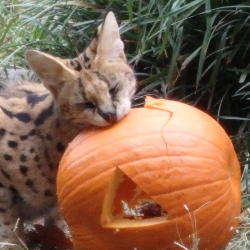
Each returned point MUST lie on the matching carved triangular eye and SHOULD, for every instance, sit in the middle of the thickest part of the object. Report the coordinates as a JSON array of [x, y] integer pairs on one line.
[[127, 205]]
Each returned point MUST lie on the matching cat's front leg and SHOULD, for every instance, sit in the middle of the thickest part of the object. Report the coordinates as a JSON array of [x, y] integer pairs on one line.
[[11, 226]]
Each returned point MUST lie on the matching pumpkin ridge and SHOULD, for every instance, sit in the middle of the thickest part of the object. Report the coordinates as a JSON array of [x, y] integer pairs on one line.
[[124, 165], [95, 152], [215, 219], [191, 187], [228, 220], [203, 226], [187, 156], [190, 135], [80, 187]]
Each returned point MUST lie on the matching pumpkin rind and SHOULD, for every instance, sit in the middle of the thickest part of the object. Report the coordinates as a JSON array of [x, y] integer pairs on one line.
[[178, 155]]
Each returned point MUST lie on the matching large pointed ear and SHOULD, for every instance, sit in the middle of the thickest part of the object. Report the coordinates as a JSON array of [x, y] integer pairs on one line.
[[49, 69], [110, 45]]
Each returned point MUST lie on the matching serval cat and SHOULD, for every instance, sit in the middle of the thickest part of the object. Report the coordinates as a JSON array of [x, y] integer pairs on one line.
[[38, 120]]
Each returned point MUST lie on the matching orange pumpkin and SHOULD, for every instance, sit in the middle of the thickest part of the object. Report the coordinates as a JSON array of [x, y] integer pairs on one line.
[[166, 177]]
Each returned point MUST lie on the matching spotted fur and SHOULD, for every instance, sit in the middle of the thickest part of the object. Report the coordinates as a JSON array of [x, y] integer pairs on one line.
[[37, 121]]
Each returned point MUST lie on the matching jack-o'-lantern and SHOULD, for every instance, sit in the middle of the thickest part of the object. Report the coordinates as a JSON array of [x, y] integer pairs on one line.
[[166, 177]]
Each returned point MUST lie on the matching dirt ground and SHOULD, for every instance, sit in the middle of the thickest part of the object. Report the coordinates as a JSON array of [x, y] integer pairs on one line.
[[15, 74]]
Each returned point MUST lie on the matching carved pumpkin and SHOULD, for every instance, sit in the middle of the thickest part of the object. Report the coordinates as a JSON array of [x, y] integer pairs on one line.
[[165, 177]]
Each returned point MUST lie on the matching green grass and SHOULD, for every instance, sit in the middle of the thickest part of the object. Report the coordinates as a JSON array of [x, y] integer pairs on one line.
[[194, 51]]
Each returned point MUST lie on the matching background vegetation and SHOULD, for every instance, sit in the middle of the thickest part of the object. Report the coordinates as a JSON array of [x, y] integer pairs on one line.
[[195, 51]]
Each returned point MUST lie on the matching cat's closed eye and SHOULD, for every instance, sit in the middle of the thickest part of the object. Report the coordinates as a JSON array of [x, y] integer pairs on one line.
[[86, 105]]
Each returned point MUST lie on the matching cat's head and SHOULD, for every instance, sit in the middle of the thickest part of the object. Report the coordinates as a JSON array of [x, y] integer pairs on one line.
[[95, 88]]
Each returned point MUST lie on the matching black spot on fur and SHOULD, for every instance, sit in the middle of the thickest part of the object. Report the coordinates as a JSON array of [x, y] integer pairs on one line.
[[48, 193], [49, 137], [51, 181], [31, 133], [29, 183], [22, 117], [16, 197], [1, 185], [2, 132], [23, 158], [5, 174], [37, 158], [12, 144], [23, 170], [23, 137], [47, 155], [2, 210], [7, 157], [6, 223], [13, 190], [86, 58], [32, 150], [44, 115], [78, 66], [72, 62], [60, 147], [34, 99]]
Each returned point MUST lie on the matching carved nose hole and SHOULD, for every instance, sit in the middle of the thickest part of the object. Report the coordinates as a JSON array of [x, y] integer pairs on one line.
[[127, 205]]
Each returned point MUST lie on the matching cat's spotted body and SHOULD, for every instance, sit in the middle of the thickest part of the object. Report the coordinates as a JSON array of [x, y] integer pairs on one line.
[[37, 121]]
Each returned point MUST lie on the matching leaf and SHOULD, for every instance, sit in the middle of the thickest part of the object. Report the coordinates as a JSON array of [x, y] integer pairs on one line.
[[81, 4], [206, 41], [190, 58], [51, 237]]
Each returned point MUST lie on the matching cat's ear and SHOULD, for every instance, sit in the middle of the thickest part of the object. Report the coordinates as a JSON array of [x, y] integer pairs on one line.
[[49, 69], [110, 45]]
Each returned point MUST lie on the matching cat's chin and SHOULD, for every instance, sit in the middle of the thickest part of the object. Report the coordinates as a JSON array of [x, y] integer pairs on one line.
[[123, 109]]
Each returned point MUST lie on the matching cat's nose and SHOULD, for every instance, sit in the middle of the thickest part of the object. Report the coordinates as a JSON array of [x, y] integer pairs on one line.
[[110, 117]]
